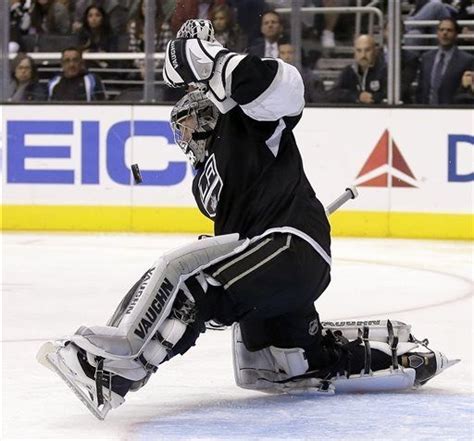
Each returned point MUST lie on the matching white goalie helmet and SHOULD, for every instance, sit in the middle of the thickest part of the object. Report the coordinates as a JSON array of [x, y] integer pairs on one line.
[[197, 28], [193, 120]]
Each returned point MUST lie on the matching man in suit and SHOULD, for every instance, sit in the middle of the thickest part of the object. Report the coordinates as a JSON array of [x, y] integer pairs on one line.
[[441, 69], [271, 29]]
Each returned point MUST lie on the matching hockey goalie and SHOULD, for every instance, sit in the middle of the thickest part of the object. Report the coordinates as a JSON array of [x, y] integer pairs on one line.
[[261, 273]]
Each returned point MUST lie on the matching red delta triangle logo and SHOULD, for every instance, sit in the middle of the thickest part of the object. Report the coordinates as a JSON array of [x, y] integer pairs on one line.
[[386, 167]]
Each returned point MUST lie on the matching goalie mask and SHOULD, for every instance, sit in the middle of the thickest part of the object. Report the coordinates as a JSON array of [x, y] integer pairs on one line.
[[193, 120]]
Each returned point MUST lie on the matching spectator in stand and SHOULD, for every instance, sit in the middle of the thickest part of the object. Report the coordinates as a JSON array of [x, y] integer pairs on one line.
[[165, 34], [466, 12], [272, 29], [364, 81], [328, 38], [95, 34], [136, 30], [465, 93], [313, 86], [75, 83], [49, 17], [426, 10], [24, 85], [20, 20], [248, 14], [442, 69], [116, 11], [226, 31], [187, 9]]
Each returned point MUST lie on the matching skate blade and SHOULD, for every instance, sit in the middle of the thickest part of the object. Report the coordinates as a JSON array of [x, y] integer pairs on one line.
[[47, 356], [444, 363], [451, 363]]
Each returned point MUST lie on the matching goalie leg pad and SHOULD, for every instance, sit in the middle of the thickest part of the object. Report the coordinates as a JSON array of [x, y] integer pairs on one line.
[[153, 299], [266, 370]]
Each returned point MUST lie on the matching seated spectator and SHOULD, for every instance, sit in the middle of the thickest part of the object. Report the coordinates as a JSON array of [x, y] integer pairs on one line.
[[20, 21], [442, 69], [248, 14], [49, 17], [426, 10], [75, 83], [136, 31], [95, 34], [313, 86], [187, 9], [328, 38], [226, 31], [466, 12], [24, 85], [116, 11], [364, 81], [272, 29], [465, 93]]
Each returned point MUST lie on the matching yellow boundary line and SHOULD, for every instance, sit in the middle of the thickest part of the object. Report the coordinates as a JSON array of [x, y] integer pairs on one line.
[[184, 219]]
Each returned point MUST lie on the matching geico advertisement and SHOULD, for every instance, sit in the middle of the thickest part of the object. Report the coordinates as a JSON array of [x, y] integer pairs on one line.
[[82, 155], [401, 159]]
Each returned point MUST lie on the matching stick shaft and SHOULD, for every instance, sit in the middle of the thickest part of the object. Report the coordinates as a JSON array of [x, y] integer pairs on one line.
[[349, 193]]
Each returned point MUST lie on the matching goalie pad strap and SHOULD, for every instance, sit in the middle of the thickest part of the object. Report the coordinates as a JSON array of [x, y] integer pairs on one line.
[[393, 342], [368, 354]]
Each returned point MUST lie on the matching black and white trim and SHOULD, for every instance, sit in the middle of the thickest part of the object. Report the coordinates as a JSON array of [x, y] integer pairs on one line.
[[253, 258], [283, 97]]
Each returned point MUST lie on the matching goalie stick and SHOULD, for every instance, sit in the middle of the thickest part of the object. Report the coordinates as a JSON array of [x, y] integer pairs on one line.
[[349, 193]]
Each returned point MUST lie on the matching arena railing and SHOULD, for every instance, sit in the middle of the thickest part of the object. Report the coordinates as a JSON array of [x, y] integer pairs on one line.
[[297, 10]]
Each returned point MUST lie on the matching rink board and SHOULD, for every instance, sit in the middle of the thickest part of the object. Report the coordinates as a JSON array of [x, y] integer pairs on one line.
[[68, 168]]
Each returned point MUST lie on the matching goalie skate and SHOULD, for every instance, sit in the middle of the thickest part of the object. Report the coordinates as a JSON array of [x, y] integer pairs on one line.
[[63, 359], [427, 365]]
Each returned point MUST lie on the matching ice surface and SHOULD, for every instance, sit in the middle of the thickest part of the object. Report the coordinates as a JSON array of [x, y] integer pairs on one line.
[[53, 283]]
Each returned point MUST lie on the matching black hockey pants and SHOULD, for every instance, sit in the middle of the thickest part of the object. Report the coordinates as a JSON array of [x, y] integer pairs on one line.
[[270, 289]]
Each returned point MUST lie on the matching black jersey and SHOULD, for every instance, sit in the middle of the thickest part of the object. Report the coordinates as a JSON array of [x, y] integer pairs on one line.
[[253, 177]]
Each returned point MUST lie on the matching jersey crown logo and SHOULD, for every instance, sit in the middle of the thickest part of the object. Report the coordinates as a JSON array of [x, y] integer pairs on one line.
[[210, 186]]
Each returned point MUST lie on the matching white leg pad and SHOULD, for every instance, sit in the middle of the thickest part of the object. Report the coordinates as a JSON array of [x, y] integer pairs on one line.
[[253, 370], [290, 360], [263, 370], [150, 304]]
